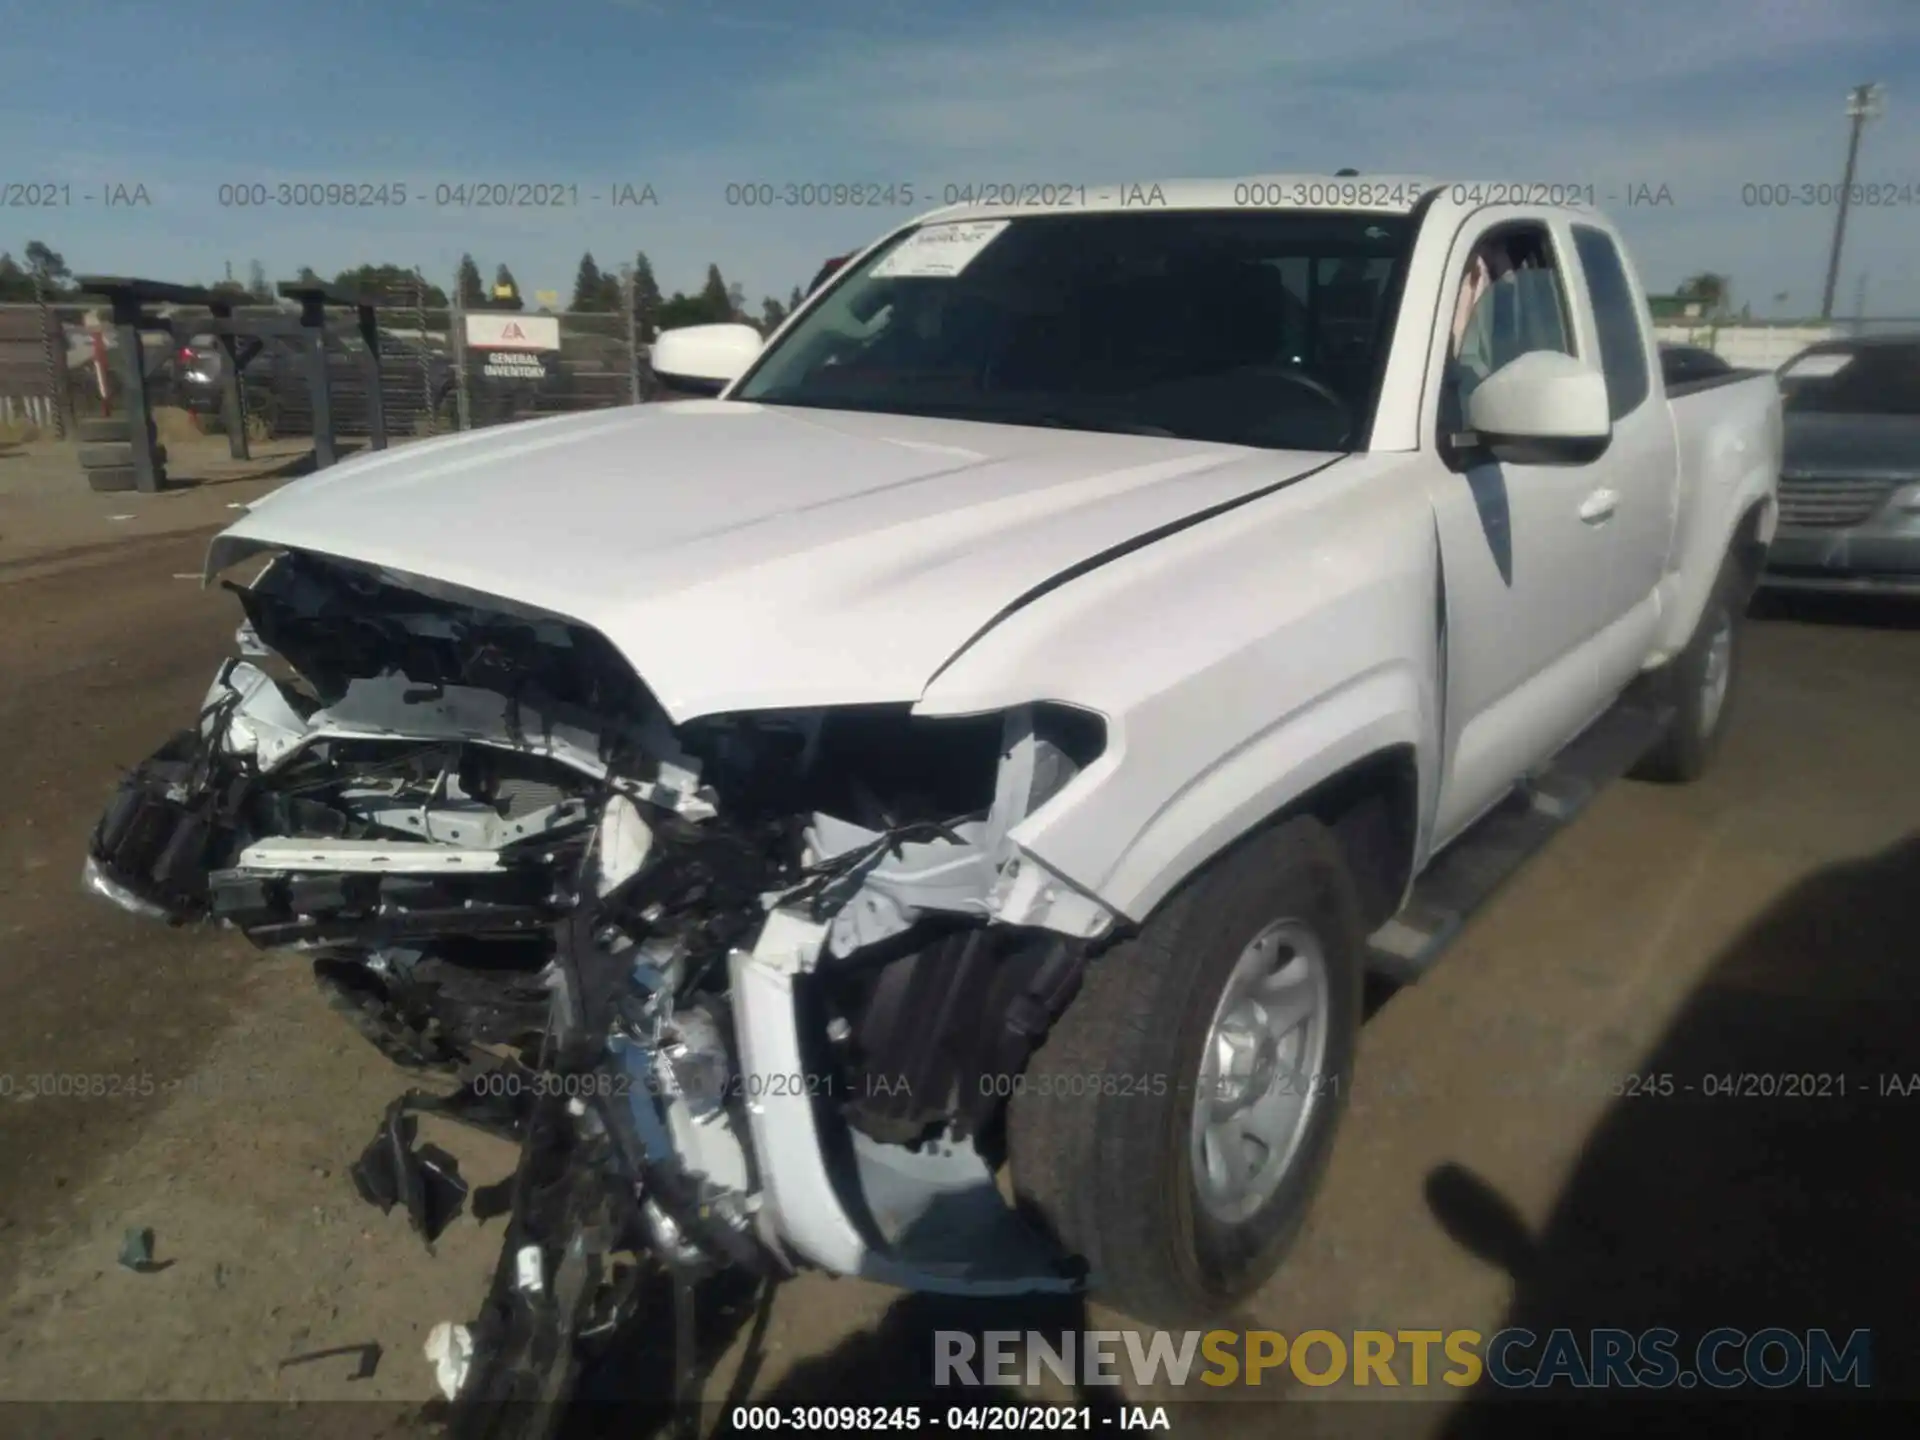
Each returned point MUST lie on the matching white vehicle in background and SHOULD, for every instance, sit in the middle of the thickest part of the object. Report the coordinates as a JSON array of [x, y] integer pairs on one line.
[[999, 732]]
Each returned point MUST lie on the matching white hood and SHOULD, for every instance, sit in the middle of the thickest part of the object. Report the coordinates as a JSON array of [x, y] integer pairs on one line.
[[748, 557]]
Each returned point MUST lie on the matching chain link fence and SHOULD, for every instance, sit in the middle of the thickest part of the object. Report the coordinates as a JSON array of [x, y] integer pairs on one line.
[[51, 371], [600, 363], [58, 362], [36, 391]]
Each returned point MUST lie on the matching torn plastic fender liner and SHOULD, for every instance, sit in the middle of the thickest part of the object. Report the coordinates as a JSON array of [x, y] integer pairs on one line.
[[425, 1182], [803, 1209]]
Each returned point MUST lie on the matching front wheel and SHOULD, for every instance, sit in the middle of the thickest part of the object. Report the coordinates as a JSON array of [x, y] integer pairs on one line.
[[1227, 1027]]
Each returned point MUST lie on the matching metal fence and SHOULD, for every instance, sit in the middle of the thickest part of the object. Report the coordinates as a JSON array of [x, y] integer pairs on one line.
[[34, 365], [431, 382], [601, 362], [1766, 345]]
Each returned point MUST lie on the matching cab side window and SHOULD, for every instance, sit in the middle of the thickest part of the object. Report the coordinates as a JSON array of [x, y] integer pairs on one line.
[[1616, 315], [1511, 301]]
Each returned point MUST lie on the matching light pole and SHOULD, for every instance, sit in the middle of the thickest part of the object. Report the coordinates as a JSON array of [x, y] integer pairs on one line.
[[1864, 103], [628, 295]]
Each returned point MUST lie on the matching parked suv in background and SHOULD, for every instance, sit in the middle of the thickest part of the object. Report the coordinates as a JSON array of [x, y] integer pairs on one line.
[[416, 381], [1850, 484]]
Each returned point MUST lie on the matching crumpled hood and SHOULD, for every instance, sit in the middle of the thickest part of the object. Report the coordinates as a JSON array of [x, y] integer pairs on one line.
[[751, 557]]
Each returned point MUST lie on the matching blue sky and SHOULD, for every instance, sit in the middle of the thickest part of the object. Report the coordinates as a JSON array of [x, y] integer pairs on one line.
[[1701, 96]]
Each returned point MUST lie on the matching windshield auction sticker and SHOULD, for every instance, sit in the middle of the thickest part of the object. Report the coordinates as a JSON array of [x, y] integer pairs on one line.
[[941, 251]]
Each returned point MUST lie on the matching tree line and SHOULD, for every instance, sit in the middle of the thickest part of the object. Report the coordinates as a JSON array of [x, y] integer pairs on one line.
[[595, 290], [599, 291]]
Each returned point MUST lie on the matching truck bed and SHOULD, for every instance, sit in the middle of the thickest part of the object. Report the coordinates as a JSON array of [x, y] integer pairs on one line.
[[1725, 428]]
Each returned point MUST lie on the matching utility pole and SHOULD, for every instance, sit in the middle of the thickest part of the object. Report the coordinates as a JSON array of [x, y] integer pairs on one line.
[[1864, 103], [628, 295], [457, 344]]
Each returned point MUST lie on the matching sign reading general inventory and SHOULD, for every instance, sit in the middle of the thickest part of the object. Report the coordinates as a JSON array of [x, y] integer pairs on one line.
[[514, 365], [513, 332]]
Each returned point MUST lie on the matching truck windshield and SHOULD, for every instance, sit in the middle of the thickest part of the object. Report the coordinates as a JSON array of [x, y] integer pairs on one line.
[[1868, 378], [1250, 328]]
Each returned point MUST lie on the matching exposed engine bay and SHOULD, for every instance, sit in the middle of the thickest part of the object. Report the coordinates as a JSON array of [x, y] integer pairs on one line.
[[751, 990]]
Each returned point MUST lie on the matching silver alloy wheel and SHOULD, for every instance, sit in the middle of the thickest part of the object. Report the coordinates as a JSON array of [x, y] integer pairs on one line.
[[1718, 671], [1260, 1071]]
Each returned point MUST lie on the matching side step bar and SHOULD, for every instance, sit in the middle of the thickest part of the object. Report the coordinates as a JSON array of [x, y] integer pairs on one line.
[[1464, 875]]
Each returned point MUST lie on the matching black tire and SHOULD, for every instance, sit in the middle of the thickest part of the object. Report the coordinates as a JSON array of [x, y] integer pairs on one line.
[[114, 454], [110, 479], [1693, 738], [1111, 1175], [103, 429]]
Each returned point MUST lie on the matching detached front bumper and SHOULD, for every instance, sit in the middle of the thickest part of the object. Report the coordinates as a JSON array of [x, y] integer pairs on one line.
[[94, 877], [150, 851]]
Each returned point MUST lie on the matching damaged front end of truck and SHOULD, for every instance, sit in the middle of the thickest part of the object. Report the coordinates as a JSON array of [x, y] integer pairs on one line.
[[748, 990]]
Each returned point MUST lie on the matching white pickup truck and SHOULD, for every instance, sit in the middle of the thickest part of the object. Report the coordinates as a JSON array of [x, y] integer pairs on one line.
[[978, 753]]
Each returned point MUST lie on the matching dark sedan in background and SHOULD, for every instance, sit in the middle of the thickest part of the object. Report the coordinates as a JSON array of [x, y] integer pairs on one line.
[[1850, 481]]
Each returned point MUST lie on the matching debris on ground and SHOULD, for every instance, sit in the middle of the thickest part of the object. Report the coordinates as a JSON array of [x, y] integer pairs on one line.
[[136, 1252], [424, 1181], [369, 1354], [449, 1350]]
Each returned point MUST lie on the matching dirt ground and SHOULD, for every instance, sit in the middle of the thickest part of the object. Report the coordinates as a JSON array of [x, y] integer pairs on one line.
[[1762, 921], [48, 515]]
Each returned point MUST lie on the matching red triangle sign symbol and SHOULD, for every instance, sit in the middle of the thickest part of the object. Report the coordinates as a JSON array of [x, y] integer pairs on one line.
[[513, 332]]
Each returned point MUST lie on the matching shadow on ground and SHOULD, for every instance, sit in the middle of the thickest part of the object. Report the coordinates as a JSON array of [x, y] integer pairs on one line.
[[1868, 611], [291, 467], [888, 1365], [1786, 1199], [1747, 1208]]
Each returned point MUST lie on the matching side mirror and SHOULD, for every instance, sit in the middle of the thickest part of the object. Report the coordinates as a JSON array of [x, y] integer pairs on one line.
[[704, 359], [1543, 408]]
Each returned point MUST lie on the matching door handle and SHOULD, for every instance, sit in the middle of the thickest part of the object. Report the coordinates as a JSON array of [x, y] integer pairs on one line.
[[1598, 507]]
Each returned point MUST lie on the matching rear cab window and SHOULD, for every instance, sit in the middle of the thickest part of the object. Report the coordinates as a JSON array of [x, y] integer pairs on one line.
[[1618, 320]]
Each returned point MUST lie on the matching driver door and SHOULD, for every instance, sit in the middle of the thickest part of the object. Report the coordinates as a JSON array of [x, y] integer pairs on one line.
[[1525, 572]]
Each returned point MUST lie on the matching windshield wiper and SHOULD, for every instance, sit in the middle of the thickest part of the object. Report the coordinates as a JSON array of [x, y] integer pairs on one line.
[[905, 406], [1052, 420], [1103, 426]]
